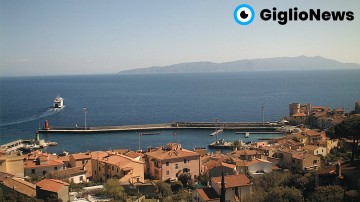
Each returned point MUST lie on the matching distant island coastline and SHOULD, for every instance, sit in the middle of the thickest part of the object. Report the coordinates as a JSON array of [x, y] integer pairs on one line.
[[249, 65]]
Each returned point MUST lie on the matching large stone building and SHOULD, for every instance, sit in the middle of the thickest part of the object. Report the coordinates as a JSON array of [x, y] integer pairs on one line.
[[128, 170], [12, 163], [169, 162], [40, 164]]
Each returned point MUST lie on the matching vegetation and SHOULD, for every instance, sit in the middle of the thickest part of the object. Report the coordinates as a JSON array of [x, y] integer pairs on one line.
[[186, 180], [327, 194], [8, 195], [114, 190], [284, 194], [349, 128]]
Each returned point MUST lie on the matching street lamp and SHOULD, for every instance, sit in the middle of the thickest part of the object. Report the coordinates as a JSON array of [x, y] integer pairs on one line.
[[85, 116]]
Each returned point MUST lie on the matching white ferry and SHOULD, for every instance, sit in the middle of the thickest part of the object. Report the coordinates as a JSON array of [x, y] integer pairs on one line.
[[58, 102]]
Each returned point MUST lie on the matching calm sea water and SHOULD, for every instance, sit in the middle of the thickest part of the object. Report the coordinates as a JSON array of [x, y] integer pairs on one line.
[[144, 99]]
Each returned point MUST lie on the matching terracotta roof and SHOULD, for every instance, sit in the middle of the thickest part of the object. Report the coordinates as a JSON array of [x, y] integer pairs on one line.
[[244, 152], [299, 115], [69, 172], [312, 133], [250, 163], [19, 185], [310, 147], [207, 193], [344, 167], [214, 164], [64, 158], [51, 185], [232, 181], [134, 155], [164, 154], [50, 163]]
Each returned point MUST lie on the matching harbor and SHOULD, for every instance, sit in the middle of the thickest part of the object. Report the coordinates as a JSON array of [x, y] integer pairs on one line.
[[237, 126]]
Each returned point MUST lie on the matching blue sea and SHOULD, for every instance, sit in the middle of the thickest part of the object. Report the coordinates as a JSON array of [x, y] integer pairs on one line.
[[145, 99]]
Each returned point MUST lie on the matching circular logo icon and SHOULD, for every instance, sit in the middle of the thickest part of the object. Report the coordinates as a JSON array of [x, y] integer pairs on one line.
[[244, 14]]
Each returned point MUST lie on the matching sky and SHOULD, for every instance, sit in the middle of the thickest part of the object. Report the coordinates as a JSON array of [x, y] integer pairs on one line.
[[70, 37]]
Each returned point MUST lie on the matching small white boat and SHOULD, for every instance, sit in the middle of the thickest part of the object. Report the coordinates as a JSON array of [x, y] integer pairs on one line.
[[58, 102], [247, 134]]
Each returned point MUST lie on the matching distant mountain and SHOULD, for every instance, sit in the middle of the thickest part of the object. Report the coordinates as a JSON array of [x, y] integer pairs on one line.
[[266, 64]]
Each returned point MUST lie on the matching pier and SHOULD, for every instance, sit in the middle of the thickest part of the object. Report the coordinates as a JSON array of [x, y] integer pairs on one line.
[[237, 126]]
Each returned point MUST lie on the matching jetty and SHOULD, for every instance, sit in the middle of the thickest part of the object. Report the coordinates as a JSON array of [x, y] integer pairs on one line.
[[217, 132], [237, 126]]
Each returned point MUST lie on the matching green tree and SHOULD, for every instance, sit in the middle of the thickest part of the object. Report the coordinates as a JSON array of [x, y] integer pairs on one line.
[[327, 194], [350, 128], [203, 179], [164, 189], [182, 195], [186, 180], [113, 189], [284, 194]]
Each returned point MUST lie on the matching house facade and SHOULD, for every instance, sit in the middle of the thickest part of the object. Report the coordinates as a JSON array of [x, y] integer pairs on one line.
[[167, 163], [124, 168]]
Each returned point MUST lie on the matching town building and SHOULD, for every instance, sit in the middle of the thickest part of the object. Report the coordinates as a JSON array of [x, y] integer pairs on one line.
[[254, 167], [315, 150], [50, 188], [124, 168], [11, 182], [75, 175], [12, 163], [40, 164], [237, 187], [207, 194], [171, 161], [84, 160]]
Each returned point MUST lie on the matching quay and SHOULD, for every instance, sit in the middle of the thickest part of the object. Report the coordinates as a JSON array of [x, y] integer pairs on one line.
[[237, 126]]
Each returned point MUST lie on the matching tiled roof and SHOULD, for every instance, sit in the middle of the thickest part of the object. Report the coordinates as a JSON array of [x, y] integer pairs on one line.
[[133, 154], [118, 160], [50, 163], [69, 172], [51, 185], [312, 133], [232, 181], [299, 115], [219, 163], [310, 147], [19, 185], [207, 193], [164, 154], [355, 166]]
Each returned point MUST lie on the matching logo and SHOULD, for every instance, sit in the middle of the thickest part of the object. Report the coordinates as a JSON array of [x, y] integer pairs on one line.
[[244, 14]]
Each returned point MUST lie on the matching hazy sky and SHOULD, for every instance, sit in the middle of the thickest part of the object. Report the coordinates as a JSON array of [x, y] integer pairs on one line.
[[48, 37]]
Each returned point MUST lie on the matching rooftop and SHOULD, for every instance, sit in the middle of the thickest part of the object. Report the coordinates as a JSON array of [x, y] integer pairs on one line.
[[207, 193], [51, 185], [232, 181]]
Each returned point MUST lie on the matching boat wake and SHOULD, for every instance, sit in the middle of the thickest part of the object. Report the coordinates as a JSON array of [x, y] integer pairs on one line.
[[49, 112]]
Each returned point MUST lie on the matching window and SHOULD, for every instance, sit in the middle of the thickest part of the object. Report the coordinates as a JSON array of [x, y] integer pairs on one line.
[[83, 162], [55, 168], [184, 160], [99, 168], [167, 163], [81, 178], [112, 167], [44, 172], [315, 162], [117, 170], [32, 171], [95, 172], [176, 166], [167, 172]]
